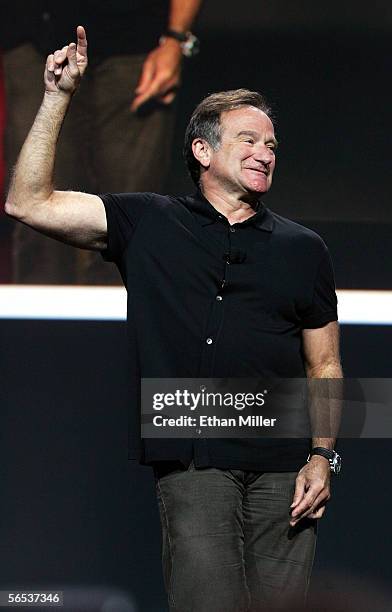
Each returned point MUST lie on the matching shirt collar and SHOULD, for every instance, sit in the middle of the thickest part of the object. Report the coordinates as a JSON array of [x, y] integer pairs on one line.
[[206, 214]]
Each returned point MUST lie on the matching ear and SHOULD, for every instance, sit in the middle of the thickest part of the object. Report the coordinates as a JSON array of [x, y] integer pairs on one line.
[[202, 151]]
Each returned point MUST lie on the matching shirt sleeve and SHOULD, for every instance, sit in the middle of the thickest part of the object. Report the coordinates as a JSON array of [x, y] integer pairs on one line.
[[123, 213], [323, 309]]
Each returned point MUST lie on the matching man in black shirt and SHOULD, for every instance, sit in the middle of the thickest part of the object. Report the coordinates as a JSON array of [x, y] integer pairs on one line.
[[218, 286]]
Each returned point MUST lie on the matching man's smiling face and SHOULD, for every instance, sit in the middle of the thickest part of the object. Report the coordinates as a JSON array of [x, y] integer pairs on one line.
[[244, 163]]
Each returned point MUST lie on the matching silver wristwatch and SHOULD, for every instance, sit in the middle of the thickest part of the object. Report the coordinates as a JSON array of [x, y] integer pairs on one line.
[[335, 460], [189, 43]]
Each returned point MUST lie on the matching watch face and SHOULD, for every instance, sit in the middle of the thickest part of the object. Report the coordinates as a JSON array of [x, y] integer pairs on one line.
[[191, 46], [336, 464]]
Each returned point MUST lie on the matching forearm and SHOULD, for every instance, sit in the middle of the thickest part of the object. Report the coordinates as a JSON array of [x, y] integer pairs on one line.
[[32, 181], [182, 14], [325, 403]]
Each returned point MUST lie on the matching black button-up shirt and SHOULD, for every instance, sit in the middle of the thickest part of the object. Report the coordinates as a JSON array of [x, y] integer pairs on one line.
[[210, 299]]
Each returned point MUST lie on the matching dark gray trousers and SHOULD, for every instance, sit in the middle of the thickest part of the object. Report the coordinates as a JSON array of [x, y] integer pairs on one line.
[[227, 545], [103, 147]]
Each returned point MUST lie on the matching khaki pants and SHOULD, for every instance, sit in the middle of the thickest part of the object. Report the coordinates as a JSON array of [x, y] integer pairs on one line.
[[103, 147]]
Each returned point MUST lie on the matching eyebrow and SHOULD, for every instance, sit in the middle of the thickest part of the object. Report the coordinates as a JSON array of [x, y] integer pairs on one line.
[[255, 134]]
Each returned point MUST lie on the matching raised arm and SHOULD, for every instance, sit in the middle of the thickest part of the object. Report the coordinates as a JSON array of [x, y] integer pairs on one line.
[[72, 217]]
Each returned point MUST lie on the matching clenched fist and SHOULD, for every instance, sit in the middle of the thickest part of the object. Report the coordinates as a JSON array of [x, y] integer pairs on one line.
[[65, 67]]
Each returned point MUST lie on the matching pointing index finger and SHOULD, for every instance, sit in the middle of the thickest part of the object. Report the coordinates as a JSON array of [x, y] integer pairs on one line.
[[82, 41]]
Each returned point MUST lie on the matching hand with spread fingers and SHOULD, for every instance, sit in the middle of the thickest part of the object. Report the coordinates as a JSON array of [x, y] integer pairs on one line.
[[65, 67], [160, 77], [312, 490]]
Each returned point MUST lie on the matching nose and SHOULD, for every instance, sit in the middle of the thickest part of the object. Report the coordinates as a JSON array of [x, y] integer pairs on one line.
[[264, 155]]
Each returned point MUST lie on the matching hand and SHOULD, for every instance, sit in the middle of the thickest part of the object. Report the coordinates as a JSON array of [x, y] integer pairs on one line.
[[65, 67], [312, 490], [160, 74]]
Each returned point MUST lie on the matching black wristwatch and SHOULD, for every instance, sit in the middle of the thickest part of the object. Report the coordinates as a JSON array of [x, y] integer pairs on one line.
[[335, 460], [190, 44]]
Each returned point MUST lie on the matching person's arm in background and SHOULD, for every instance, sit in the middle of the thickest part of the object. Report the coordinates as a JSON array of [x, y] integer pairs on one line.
[[322, 361], [161, 71], [72, 217]]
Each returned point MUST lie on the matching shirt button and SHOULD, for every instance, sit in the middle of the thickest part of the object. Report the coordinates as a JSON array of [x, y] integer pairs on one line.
[[219, 298], [232, 229], [209, 340]]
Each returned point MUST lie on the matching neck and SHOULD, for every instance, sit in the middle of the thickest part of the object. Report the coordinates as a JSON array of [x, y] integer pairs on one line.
[[234, 207]]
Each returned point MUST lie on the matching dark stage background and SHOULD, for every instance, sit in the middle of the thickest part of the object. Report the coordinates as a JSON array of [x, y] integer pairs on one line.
[[74, 511]]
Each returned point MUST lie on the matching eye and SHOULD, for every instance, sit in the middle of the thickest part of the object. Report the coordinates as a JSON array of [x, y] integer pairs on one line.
[[250, 140]]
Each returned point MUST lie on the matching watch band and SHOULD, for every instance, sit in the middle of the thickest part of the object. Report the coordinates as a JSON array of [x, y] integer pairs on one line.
[[324, 452], [180, 36]]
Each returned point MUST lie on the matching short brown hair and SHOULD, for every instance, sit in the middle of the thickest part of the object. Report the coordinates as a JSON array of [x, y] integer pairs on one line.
[[205, 121]]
